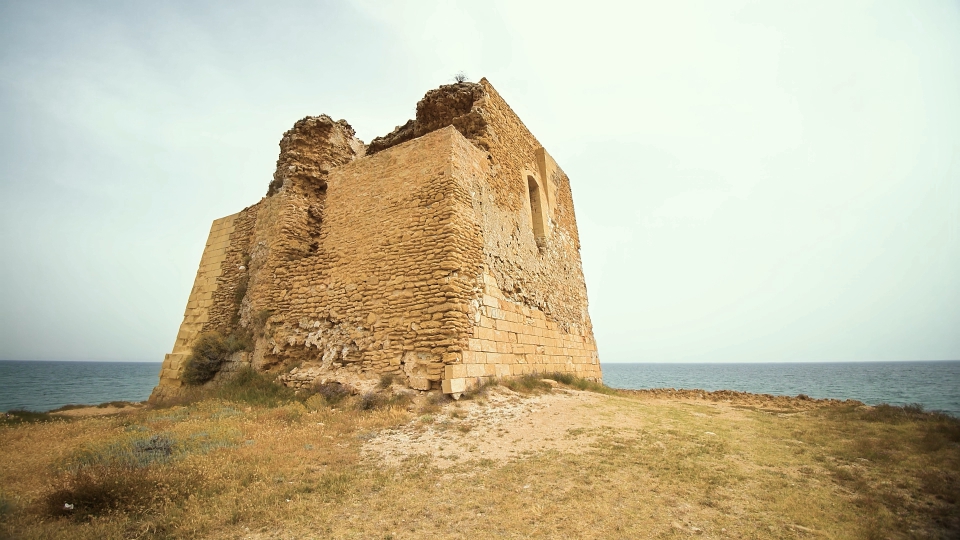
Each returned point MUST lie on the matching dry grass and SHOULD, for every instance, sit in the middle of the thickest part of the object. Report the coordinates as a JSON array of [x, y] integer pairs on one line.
[[642, 467]]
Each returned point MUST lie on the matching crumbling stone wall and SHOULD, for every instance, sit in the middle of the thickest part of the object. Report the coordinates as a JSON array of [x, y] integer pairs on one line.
[[419, 256], [387, 293]]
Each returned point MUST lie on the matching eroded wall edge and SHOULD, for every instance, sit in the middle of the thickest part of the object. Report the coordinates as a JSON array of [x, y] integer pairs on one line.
[[199, 304]]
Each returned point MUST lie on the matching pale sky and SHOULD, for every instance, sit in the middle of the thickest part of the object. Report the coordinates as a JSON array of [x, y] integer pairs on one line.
[[754, 182]]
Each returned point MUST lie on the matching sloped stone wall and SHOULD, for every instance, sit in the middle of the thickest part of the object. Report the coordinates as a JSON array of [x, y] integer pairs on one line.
[[200, 304]]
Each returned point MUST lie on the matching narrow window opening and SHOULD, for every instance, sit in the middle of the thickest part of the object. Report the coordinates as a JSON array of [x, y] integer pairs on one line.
[[536, 209]]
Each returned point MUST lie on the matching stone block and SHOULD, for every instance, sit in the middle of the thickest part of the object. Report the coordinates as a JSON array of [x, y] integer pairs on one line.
[[476, 370], [455, 371], [420, 383], [454, 386]]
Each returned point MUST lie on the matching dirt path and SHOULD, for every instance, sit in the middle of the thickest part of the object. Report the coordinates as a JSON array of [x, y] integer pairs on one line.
[[501, 427], [97, 410], [505, 425]]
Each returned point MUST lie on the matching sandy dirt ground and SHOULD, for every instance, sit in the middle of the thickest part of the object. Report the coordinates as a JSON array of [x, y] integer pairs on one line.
[[505, 426], [94, 410]]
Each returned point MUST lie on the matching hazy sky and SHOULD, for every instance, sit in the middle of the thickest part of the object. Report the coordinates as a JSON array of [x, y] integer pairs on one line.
[[770, 181]]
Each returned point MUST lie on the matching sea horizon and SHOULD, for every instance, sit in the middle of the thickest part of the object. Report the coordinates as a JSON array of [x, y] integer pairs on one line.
[[43, 385]]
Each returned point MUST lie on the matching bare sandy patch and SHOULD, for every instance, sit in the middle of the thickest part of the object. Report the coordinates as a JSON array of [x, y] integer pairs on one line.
[[503, 426], [95, 410], [506, 425]]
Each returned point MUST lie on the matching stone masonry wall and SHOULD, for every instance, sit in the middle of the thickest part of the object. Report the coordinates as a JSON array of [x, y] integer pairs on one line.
[[445, 253], [285, 242], [510, 339], [545, 275], [397, 264], [542, 273]]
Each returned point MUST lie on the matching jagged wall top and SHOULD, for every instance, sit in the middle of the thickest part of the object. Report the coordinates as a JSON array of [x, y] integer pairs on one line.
[[313, 146], [458, 105]]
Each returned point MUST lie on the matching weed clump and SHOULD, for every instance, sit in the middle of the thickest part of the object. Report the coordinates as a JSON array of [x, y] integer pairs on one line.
[[133, 474], [134, 453], [259, 322], [435, 402], [528, 384], [117, 404], [20, 416], [386, 380], [481, 390], [210, 351], [885, 412], [7, 506], [241, 289], [371, 400], [253, 388], [580, 383], [332, 392], [376, 400], [100, 490]]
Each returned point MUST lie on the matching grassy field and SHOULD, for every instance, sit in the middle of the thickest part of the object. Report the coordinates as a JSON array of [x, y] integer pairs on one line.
[[529, 460]]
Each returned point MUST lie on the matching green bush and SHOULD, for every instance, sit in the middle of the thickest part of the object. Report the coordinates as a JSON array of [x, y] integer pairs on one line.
[[210, 351]]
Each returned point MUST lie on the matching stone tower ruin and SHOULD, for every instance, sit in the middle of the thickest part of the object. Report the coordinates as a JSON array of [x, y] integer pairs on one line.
[[443, 253]]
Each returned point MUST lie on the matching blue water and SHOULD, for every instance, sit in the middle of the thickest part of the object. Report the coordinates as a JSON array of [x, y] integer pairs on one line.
[[935, 385], [42, 386]]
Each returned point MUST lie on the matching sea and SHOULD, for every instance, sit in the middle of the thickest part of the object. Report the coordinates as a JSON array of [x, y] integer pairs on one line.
[[43, 386], [935, 385]]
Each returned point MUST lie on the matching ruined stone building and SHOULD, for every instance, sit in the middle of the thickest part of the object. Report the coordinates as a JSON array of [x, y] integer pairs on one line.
[[444, 252]]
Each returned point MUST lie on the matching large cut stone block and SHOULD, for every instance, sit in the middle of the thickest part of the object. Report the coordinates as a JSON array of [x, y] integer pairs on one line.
[[454, 386]]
